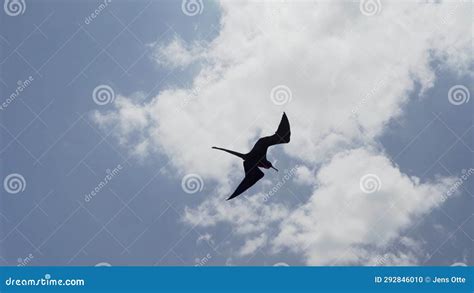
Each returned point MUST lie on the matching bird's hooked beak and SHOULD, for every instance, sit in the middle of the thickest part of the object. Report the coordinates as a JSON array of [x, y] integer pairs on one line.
[[274, 168]]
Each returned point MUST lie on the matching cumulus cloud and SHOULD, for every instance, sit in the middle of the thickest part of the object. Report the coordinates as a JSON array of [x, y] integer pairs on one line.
[[347, 76], [341, 223], [249, 216], [304, 175]]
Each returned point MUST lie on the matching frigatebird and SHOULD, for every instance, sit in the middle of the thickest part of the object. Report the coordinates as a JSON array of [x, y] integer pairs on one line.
[[257, 157]]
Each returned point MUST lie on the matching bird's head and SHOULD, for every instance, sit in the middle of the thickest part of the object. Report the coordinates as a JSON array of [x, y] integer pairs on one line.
[[268, 165]]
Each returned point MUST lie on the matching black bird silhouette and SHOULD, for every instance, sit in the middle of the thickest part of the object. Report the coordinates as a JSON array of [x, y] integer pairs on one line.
[[257, 157]]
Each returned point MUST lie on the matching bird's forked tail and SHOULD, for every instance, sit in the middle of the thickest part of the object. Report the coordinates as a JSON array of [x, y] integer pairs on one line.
[[242, 156]]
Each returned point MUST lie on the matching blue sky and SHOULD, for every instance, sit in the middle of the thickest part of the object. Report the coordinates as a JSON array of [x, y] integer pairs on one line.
[[154, 57]]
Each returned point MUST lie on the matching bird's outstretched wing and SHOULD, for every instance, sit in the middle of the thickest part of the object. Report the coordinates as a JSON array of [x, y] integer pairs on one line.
[[282, 135], [252, 175]]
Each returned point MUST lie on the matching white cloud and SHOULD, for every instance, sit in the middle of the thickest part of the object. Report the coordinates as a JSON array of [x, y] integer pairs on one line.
[[177, 53], [304, 175], [248, 216], [366, 65], [130, 120], [206, 238], [251, 245], [349, 75], [391, 259], [344, 222]]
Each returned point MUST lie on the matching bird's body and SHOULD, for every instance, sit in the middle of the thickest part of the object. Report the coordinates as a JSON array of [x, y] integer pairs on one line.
[[257, 157]]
